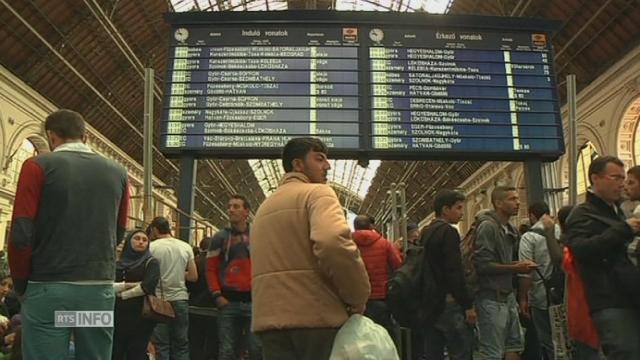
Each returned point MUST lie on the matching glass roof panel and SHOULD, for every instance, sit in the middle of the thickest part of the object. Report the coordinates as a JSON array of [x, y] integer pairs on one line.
[[345, 173], [431, 6]]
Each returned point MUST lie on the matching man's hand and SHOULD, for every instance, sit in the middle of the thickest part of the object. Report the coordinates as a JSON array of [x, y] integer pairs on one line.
[[548, 222], [221, 302], [356, 309], [524, 266], [119, 249], [524, 309], [119, 287], [470, 316], [634, 224], [4, 323], [9, 340], [399, 244]]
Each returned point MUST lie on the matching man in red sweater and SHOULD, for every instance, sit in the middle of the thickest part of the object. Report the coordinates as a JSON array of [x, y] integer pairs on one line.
[[229, 279], [380, 258]]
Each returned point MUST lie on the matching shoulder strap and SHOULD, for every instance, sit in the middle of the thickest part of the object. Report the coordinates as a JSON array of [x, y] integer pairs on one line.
[[437, 225], [603, 219], [545, 283], [537, 231], [159, 280]]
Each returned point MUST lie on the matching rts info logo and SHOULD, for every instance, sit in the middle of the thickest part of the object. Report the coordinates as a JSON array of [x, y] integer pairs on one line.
[[83, 319]]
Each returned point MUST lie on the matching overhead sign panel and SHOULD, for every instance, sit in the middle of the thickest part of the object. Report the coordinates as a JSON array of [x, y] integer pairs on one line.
[[369, 85], [462, 91]]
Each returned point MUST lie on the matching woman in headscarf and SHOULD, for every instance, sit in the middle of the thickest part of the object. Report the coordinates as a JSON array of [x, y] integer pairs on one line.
[[137, 274]]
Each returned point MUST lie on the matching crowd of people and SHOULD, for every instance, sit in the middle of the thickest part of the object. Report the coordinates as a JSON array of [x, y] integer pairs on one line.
[[281, 287]]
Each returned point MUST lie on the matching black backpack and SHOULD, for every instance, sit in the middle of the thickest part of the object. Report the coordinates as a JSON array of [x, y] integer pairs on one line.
[[412, 293]]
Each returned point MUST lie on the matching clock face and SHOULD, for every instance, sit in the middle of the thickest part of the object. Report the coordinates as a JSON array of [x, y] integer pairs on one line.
[[181, 34], [376, 35]]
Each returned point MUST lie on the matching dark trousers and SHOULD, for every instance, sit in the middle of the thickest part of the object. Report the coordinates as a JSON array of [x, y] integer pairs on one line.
[[378, 312], [417, 341], [203, 337], [532, 350], [298, 344], [542, 324], [130, 339], [619, 331], [586, 352], [450, 330]]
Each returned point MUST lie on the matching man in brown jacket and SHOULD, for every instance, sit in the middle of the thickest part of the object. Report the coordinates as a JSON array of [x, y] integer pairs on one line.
[[307, 273]]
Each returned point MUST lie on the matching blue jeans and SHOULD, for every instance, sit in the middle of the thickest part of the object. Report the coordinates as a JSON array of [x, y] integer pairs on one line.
[[172, 339], [46, 341], [542, 323], [499, 328], [619, 331], [234, 323], [450, 330]]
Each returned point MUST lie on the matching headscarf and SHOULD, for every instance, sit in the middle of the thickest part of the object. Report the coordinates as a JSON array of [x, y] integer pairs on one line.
[[131, 258]]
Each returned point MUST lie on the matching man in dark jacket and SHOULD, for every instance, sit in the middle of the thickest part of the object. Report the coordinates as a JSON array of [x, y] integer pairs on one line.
[[203, 332], [453, 326], [598, 236]]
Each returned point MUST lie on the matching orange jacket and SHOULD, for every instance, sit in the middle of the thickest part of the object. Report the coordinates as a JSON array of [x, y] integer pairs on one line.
[[380, 258]]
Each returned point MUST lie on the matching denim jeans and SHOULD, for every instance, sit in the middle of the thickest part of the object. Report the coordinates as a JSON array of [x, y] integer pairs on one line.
[[203, 337], [234, 323], [619, 331], [499, 328], [172, 339], [46, 341], [542, 323], [450, 330]]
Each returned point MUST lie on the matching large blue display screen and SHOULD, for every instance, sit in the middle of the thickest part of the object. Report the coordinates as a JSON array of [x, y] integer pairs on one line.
[[370, 85]]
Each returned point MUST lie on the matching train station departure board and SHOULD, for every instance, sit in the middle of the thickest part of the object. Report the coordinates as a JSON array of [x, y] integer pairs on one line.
[[370, 85]]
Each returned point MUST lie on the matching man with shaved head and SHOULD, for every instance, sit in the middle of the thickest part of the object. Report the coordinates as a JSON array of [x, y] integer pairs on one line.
[[496, 305]]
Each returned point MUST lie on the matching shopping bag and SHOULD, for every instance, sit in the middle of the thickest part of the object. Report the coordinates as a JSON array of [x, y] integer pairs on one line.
[[362, 339], [562, 344], [580, 324], [157, 309]]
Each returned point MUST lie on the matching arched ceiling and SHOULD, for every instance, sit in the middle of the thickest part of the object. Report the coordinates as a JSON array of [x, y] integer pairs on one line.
[[89, 55]]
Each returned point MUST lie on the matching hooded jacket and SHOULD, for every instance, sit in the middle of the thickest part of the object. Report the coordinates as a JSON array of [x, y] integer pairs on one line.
[[306, 270], [494, 245], [380, 258]]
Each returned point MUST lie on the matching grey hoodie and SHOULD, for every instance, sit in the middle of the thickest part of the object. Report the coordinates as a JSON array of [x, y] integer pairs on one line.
[[494, 246]]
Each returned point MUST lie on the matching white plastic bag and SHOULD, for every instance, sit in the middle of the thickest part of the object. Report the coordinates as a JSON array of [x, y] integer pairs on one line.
[[362, 339]]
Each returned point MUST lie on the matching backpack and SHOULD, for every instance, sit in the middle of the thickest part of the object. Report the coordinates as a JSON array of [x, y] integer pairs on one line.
[[467, 249], [554, 284], [412, 294]]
